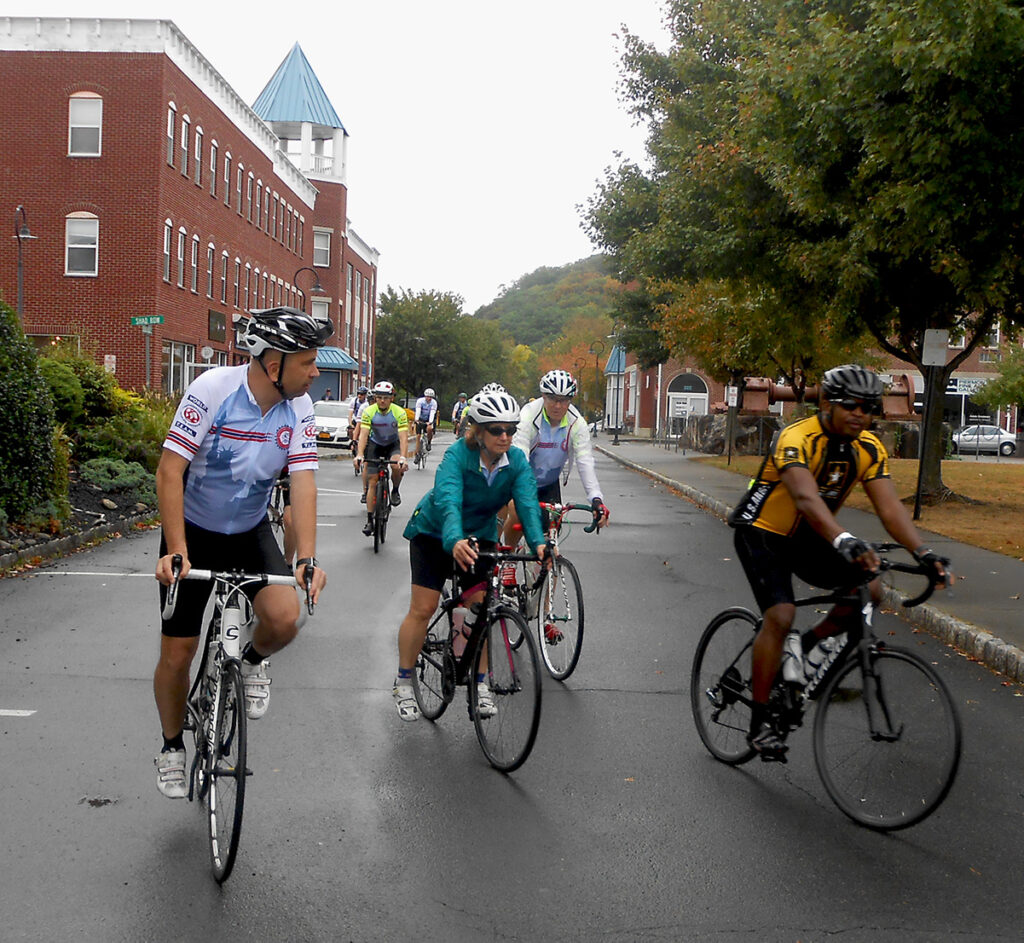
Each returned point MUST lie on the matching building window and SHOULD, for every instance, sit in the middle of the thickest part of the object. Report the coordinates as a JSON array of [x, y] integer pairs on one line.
[[178, 364], [266, 210], [81, 244], [238, 187], [85, 125], [172, 117], [168, 230], [248, 279], [186, 127], [209, 270], [248, 198], [300, 225], [321, 310], [321, 247], [227, 179], [259, 203], [195, 265], [264, 290], [213, 168], [224, 278], [199, 156], [238, 281], [273, 233], [181, 257]]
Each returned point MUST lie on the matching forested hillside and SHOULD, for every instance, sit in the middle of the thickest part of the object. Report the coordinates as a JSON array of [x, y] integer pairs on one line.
[[536, 308]]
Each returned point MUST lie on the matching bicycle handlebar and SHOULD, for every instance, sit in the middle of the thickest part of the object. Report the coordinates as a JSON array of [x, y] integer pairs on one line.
[[913, 568], [562, 509]]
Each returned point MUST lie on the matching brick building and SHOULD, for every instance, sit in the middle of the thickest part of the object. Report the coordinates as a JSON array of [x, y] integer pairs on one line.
[[152, 190]]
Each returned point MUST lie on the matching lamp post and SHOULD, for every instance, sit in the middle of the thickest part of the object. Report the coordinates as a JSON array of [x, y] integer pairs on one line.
[[614, 337], [597, 348], [317, 288], [21, 233]]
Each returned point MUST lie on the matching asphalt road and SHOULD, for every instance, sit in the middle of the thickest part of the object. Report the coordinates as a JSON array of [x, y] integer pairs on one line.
[[359, 827]]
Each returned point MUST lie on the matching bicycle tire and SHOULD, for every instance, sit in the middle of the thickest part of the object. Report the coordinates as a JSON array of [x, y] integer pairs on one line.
[[561, 656], [720, 685], [899, 775], [513, 675], [225, 795], [378, 514], [433, 677]]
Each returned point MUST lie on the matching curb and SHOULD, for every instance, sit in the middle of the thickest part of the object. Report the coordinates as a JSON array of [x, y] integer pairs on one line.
[[62, 545], [969, 639]]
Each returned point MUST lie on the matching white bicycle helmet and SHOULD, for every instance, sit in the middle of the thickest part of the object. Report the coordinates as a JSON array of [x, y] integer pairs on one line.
[[558, 383], [429, 392], [383, 388], [493, 406]]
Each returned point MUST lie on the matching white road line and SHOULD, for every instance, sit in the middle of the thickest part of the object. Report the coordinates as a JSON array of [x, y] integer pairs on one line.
[[4, 713]]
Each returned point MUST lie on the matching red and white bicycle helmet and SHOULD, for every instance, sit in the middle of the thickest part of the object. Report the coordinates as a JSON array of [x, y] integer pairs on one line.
[[493, 406], [558, 383], [383, 388]]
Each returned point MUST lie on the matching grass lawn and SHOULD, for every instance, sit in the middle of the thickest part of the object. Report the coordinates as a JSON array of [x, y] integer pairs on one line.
[[995, 522]]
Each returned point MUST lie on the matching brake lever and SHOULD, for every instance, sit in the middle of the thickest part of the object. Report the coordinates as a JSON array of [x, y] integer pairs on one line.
[[307, 575]]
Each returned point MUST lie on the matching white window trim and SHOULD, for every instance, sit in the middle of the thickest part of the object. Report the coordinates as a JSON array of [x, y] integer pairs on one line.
[[319, 231], [78, 217], [85, 96]]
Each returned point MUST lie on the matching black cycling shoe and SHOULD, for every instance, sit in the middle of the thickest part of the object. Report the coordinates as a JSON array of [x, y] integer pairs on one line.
[[768, 744], [362, 498], [396, 499]]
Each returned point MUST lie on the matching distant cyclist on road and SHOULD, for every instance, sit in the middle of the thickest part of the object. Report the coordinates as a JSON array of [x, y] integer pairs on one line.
[[478, 475], [457, 413], [554, 434], [785, 525], [234, 431], [355, 414], [383, 431], [425, 416]]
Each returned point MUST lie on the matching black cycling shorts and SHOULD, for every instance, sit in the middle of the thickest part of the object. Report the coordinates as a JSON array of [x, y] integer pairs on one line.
[[253, 551], [431, 565], [770, 562], [549, 494], [376, 453]]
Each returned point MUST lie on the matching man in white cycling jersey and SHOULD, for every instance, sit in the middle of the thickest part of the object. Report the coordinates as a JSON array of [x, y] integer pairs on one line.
[[425, 417], [234, 431]]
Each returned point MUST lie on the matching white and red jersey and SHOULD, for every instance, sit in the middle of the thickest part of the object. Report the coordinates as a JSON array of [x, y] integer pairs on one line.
[[235, 452]]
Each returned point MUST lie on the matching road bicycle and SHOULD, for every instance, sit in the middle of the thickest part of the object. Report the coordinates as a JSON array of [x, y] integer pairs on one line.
[[380, 481], [886, 732], [419, 459], [512, 671], [276, 508], [551, 598], [215, 709]]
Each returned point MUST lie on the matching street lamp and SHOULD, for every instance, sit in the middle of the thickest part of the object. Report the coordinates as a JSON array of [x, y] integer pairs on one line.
[[597, 348], [21, 233], [317, 288]]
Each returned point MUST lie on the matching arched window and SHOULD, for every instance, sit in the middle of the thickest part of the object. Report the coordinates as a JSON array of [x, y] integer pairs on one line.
[[85, 124], [172, 120], [199, 155], [210, 256], [168, 235], [186, 129], [195, 265], [81, 244], [182, 236]]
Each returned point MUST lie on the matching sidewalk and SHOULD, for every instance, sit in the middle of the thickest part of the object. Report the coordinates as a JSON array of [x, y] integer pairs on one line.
[[984, 614]]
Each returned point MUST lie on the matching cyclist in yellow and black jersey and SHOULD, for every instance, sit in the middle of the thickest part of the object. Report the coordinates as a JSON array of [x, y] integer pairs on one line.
[[785, 525]]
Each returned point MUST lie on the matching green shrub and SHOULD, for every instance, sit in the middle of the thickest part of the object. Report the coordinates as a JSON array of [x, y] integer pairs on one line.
[[61, 473], [135, 435], [65, 389], [102, 398], [26, 423], [128, 479]]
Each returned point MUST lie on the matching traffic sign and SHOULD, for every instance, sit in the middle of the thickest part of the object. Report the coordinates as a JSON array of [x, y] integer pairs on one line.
[[148, 319]]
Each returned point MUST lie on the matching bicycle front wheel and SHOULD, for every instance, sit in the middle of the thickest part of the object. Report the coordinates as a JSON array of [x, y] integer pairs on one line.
[[720, 692], [225, 794], [433, 677], [560, 619], [887, 739], [379, 518], [507, 731]]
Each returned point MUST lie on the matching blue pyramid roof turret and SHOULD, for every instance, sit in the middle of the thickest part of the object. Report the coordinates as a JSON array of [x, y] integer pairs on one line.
[[295, 95]]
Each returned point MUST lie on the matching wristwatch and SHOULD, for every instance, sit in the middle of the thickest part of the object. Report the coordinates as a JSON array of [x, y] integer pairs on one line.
[[310, 560]]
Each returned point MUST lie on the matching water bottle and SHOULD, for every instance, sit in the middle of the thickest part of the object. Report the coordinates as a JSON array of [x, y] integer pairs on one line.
[[793, 659], [824, 653], [459, 634]]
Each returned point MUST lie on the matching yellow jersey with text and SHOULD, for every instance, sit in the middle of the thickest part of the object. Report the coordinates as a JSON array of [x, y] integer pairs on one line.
[[837, 464]]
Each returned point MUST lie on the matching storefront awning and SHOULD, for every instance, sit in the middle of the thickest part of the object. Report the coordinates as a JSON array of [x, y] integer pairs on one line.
[[334, 358]]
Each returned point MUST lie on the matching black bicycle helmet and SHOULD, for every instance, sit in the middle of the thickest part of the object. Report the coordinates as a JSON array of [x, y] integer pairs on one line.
[[852, 381], [285, 329]]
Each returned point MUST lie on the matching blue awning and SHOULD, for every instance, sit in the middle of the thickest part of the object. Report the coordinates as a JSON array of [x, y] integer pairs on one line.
[[616, 361], [334, 358]]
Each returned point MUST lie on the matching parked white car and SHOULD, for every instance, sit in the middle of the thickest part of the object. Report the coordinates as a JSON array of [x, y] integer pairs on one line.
[[332, 421], [983, 438]]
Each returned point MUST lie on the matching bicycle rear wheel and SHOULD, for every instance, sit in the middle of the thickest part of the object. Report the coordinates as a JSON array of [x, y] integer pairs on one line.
[[887, 739], [720, 692], [380, 521], [513, 675], [225, 793], [560, 619], [433, 677]]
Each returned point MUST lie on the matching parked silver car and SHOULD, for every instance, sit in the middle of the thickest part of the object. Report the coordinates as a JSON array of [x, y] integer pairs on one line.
[[332, 421], [984, 438]]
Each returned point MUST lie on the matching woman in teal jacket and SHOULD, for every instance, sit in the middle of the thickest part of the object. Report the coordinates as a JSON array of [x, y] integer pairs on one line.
[[477, 477]]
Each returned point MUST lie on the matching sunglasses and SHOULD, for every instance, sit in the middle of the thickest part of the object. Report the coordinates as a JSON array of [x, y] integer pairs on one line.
[[501, 430], [851, 404]]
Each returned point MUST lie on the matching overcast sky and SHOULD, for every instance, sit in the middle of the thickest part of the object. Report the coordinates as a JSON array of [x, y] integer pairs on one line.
[[476, 128]]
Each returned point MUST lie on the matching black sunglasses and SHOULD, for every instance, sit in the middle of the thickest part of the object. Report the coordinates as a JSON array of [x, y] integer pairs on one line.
[[496, 430], [868, 408]]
